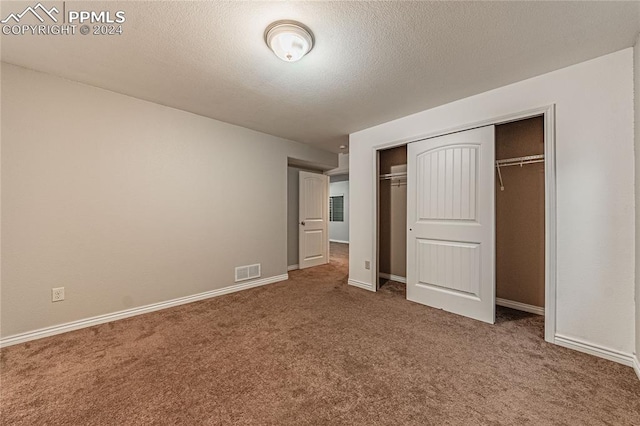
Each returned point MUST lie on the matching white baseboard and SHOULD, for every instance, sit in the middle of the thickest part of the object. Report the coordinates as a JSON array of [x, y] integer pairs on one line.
[[293, 267], [593, 349], [392, 277], [101, 319], [361, 284], [339, 241], [636, 365], [520, 306]]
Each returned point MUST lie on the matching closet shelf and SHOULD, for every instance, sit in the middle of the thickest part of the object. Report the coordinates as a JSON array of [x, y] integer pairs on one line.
[[393, 175], [517, 161]]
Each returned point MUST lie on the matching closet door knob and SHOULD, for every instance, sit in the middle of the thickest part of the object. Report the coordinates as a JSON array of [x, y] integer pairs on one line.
[[302, 223]]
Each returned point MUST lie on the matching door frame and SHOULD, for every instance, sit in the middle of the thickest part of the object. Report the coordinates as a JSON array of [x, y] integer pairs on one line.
[[550, 261]]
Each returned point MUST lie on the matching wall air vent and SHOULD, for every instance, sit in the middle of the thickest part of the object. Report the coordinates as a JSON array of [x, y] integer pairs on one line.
[[247, 272]]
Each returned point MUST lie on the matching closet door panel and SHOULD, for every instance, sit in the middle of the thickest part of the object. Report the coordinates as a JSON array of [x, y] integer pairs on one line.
[[446, 265], [447, 179], [450, 218]]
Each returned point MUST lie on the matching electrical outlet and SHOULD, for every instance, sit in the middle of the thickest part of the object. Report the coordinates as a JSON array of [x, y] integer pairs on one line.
[[57, 294], [367, 264]]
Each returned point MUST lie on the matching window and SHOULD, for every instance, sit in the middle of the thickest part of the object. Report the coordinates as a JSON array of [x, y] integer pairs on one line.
[[336, 208]]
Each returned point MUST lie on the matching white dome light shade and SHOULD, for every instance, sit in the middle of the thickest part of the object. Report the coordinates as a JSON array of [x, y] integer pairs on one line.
[[290, 41]]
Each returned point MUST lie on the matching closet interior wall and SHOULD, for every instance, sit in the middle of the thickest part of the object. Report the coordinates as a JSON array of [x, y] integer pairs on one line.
[[392, 214], [520, 211]]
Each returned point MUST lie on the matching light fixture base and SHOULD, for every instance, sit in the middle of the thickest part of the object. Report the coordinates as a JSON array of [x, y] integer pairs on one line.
[[289, 40]]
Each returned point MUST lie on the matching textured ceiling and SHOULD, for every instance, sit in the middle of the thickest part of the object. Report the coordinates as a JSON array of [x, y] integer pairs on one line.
[[372, 62]]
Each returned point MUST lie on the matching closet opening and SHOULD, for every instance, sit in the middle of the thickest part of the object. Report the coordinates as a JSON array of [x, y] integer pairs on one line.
[[392, 219], [520, 218], [444, 197]]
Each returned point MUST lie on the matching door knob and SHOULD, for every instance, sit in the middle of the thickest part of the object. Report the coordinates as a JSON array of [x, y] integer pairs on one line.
[[302, 223]]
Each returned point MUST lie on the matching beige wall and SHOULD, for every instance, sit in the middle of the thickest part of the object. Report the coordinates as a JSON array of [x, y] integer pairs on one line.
[[343, 166], [127, 203], [393, 215], [520, 214]]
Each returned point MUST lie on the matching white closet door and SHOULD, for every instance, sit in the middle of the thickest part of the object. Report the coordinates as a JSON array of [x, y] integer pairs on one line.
[[450, 221], [313, 225]]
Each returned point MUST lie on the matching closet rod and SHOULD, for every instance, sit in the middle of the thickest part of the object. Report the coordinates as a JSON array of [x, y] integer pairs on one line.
[[393, 175], [399, 183], [517, 161], [398, 178]]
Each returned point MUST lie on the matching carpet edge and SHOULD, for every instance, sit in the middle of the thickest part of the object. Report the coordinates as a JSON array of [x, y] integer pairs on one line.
[[520, 306], [392, 277]]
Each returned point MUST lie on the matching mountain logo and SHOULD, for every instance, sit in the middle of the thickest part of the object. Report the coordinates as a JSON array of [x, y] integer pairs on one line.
[[43, 11]]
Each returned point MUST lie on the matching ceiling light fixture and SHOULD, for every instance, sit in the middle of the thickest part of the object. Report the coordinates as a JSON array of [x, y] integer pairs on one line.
[[289, 40]]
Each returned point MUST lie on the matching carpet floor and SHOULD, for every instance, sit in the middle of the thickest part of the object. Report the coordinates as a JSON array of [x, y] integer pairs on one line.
[[312, 350]]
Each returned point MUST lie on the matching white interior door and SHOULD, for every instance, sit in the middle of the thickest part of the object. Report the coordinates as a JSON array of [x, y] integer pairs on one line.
[[313, 220], [450, 221]]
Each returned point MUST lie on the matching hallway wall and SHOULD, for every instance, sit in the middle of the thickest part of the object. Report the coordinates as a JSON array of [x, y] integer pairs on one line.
[[339, 231]]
